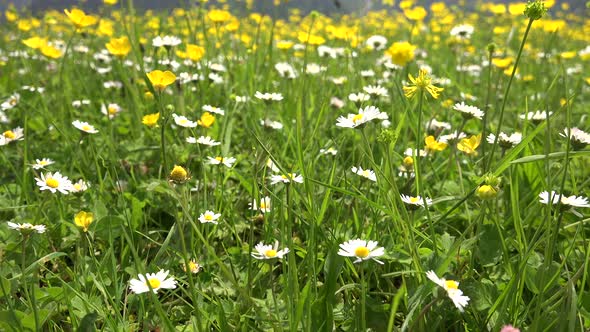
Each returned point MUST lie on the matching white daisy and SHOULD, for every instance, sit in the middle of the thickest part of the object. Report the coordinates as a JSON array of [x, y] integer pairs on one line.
[[54, 182], [166, 41], [537, 116], [203, 140], [452, 138], [213, 109], [579, 138], [367, 173], [329, 150], [209, 217], [41, 163], [80, 186], [84, 126], [111, 110], [376, 90], [271, 124], [270, 164], [436, 125], [504, 140], [314, 69], [286, 70], [365, 115], [226, 161], [263, 206], [571, 201], [11, 102], [290, 177], [182, 121], [215, 78], [462, 31], [27, 227], [362, 250], [267, 251], [156, 281], [268, 96], [80, 103], [452, 289], [193, 266], [15, 134], [376, 42], [468, 111], [358, 97], [417, 201]]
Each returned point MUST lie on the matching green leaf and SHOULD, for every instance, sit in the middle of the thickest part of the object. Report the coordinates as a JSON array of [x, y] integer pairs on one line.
[[489, 249], [87, 323]]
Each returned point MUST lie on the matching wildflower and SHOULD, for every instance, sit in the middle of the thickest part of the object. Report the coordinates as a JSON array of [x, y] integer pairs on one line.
[[534, 10], [218, 16], [79, 103], [208, 141], [151, 120], [27, 228], [161, 79], [267, 251], [207, 120], [437, 126], [271, 124], [35, 42], [84, 126], [288, 178], [376, 90], [504, 140], [179, 174], [80, 19], [119, 47], [416, 13], [433, 145], [365, 115], [209, 217], [153, 281], [111, 110], [193, 267], [571, 201], [486, 191], [286, 70], [166, 41], [213, 109], [509, 328], [452, 289], [401, 53], [8, 136], [54, 182], [362, 250], [268, 97], [264, 206], [359, 98], [452, 138], [367, 173], [51, 51], [468, 112], [579, 138], [314, 69], [270, 164], [421, 83], [469, 145], [329, 150], [376, 42], [11, 102], [83, 220], [41, 163], [462, 31], [182, 121], [228, 162], [193, 52], [80, 186], [416, 201]]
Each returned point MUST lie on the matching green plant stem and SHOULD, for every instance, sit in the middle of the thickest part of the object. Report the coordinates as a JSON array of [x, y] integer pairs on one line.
[[363, 298]]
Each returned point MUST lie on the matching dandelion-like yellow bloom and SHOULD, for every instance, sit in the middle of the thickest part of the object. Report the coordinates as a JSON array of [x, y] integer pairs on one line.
[[421, 83], [401, 53], [416, 14], [83, 220], [119, 46], [469, 145], [207, 120], [161, 79], [151, 120], [179, 174], [219, 16], [80, 19]]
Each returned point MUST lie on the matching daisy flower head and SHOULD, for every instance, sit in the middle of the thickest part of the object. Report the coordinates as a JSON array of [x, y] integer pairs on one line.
[[203, 140], [80, 186], [84, 126], [11, 102], [505, 141], [193, 267], [568, 203], [376, 42], [268, 123], [329, 150], [288, 178], [54, 182], [182, 121], [452, 138], [376, 90], [213, 109], [153, 281], [416, 201], [264, 206], [226, 161], [366, 173], [271, 164], [462, 31], [468, 112], [267, 251], [166, 41], [365, 115], [111, 110], [579, 138], [536, 117], [362, 250], [423, 82], [41, 163], [452, 289], [27, 228], [268, 97], [358, 98], [209, 217], [15, 134]]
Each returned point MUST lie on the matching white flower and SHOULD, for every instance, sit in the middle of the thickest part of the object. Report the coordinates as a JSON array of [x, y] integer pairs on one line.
[[578, 137], [271, 124], [286, 70], [27, 227], [166, 41], [438, 125], [156, 281], [418, 201], [193, 266], [367, 73], [266, 251], [242, 99], [80, 186], [209, 217], [468, 111], [217, 67], [228, 162], [268, 96], [376, 90], [537, 116], [84, 126], [362, 250], [54, 182], [202, 140], [358, 97], [79, 103], [215, 78], [41, 163], [452, 137], [264, 206], [314, 69], [452, 289], [364, 115], [182, 121], [290, 177], [554, 198], [11, 102], [505, 140], [15, 134], [462, 31], [270, 164], [213, 109], [111, 110], [409, 152], [339, 80], [376, 42], [367, 173], [336, 102], [329, 150], [112, 84]]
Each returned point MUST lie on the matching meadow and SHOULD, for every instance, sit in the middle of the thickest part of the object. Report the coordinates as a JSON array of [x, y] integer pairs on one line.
[[208, 169]]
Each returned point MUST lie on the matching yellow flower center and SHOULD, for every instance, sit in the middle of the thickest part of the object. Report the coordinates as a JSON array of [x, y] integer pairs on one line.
[[361, 252], [112, 110], [262, 205], [270, 253], [9, 134], [220, 159], [413, 199], [357, 118], [154, 283], [366, 173], [408, 161], [451, 284], [86, 128], [43, 162], [208, 217], [77, 187], [183, 121], [51, 182]]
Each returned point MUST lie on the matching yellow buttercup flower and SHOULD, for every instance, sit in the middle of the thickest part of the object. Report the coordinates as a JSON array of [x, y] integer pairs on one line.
[[110, 2], [469, 145], [119, 46], [151, 120], [421, 83], [416, 13], [401, 53], [218, 16], [50, 52], [502, 63], [80, 19], [161, 79], [193, 52], [433, 145], [207, 120], [310, 39], [83, 220], [35, 42]]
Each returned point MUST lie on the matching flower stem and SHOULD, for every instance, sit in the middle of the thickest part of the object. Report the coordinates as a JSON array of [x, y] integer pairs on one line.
[[363, 299]]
